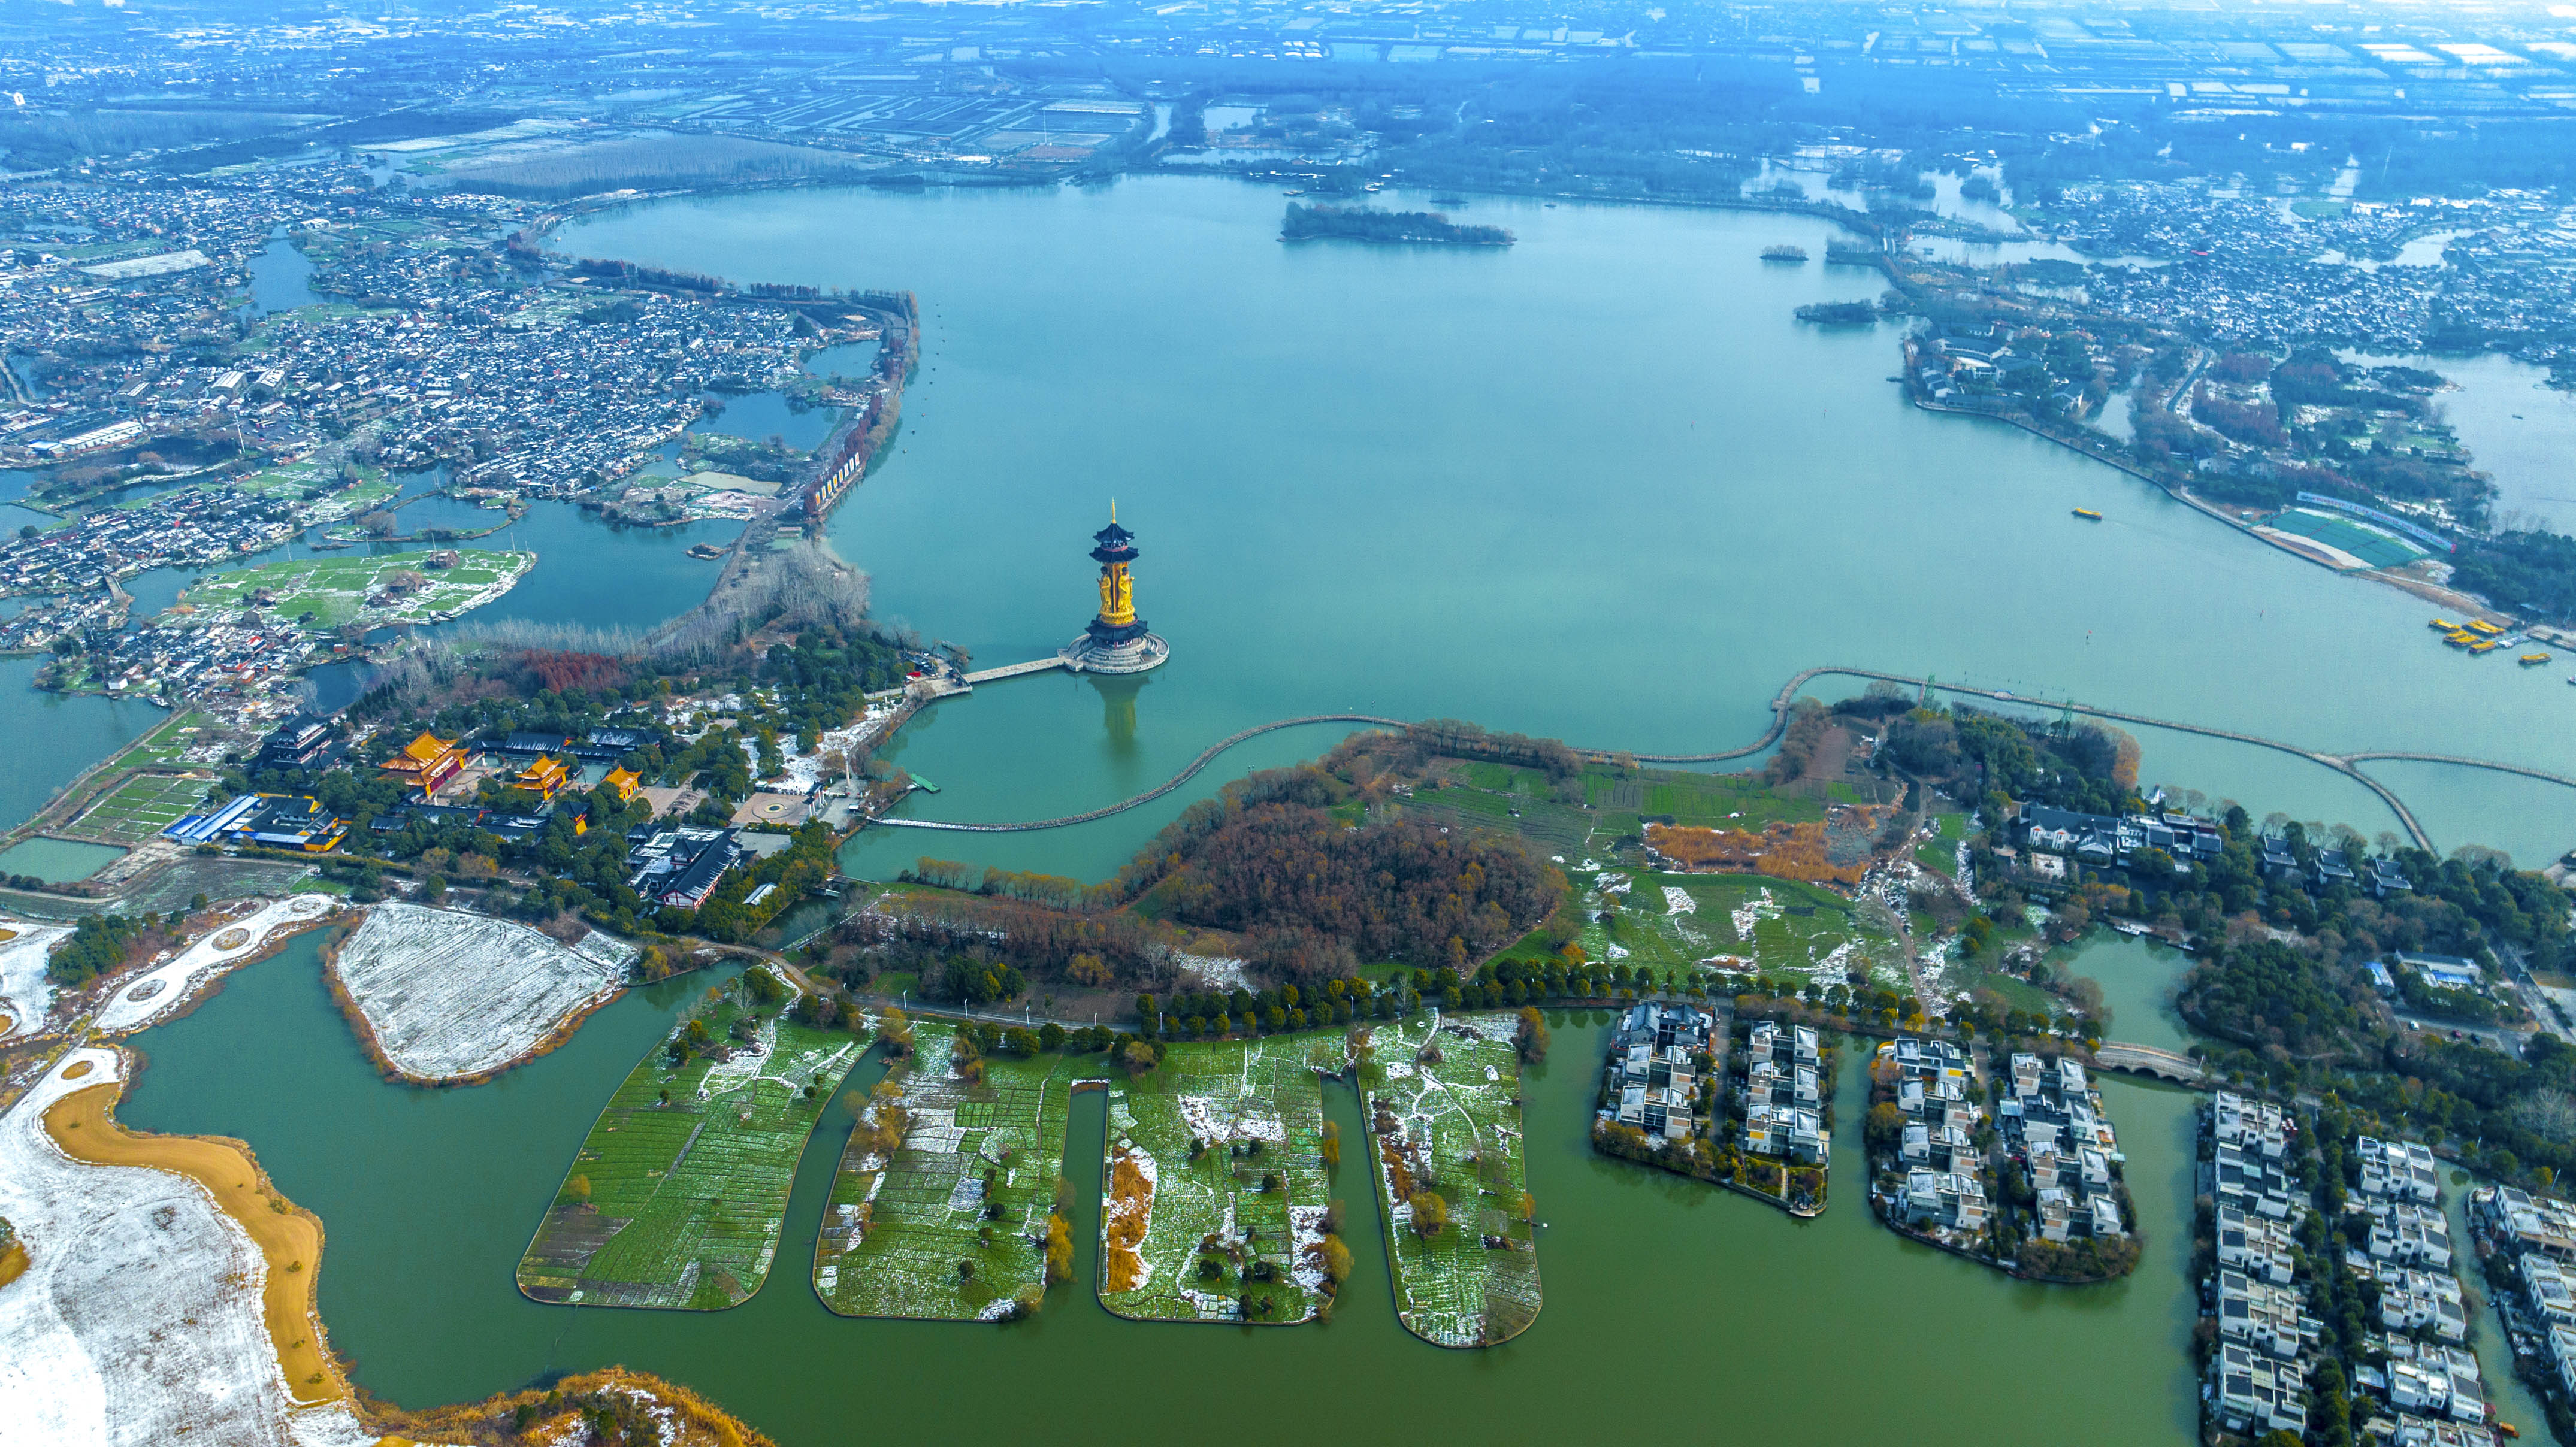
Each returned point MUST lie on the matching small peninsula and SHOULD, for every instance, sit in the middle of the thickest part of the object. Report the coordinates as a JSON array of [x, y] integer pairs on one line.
[[1362, 223]]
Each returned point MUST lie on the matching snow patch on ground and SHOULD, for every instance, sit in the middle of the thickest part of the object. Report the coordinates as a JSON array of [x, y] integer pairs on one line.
[[1207, 1122], [141, 1001], [1306, 1246], [138, 1320], [451, 995], [25, 993], [1216, 972], [1677, 900], [1753, 911]]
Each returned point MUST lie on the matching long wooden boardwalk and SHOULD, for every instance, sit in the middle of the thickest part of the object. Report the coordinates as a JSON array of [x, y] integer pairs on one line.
[[1782, 705]]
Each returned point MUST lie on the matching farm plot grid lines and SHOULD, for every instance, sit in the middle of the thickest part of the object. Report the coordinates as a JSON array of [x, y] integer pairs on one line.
[[445, 996], [1443, 1098], [142, 807], [939, 1209], [1217, 1189], [680, 1205]]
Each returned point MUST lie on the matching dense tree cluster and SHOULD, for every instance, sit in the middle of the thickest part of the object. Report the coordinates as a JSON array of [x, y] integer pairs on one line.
[[1365, 223], [1988, 757], [1405, 890], [98, 944]]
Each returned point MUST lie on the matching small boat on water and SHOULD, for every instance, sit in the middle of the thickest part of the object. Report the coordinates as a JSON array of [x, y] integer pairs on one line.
[[2532, 660], [2088, 514]]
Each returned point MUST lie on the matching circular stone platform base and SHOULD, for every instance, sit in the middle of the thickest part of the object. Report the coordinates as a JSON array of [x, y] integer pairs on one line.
[[1086, 654]]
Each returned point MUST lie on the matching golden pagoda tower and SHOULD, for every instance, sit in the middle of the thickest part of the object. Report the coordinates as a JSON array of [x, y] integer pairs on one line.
[[1117, 640]]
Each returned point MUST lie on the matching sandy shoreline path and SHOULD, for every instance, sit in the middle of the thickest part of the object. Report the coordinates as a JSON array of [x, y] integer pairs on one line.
[[161, 991], [442, 997], [128, 1234]]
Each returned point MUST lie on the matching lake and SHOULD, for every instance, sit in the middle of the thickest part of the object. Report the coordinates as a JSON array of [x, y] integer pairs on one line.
[[1600, 486]]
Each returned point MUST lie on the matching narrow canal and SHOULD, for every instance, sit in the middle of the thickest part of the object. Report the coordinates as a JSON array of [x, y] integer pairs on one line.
[[1671, 1308]]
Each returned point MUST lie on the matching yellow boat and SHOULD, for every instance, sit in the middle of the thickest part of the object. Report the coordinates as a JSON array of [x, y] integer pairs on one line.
[[2532, 660], [2088, 514], [2461, 639], [2485, 647], [2480, 625], [2445, 625]]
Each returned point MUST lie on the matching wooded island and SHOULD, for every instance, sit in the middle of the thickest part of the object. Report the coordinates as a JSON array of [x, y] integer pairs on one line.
[[1361, 223]]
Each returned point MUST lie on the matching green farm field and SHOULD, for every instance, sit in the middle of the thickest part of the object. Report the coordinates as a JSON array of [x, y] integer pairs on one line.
[[1446, 1121], [335, 590], [970, 1186], [1217, 1183], [143, 806], [680, 1205]]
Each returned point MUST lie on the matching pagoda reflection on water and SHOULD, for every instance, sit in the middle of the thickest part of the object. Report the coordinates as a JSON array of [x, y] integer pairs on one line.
[[1117, 640]]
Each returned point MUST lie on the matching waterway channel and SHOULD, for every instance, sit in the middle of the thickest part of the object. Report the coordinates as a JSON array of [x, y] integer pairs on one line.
[[1672, 1309]]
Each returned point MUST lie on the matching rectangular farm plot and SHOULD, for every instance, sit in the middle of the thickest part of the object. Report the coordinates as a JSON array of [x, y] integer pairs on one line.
[[143, 806], [1443, 1100], [680, 1192], [951, 1225], [1217, 1189]]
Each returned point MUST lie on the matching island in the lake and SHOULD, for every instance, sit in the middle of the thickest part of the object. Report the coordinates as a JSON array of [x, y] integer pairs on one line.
[[1362, 223]]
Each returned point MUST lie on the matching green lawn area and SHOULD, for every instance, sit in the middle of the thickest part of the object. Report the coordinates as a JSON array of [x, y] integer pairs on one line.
[[1451, 1126], [164, 745], [2019, 994], [1750, 922], [334, 590], [975, 1155], [686, 1200], [1941, 855], [2376, 546], [1193, 1148]]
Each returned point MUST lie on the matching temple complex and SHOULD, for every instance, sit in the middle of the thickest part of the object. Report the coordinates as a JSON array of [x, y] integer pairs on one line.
[[1117, 640]]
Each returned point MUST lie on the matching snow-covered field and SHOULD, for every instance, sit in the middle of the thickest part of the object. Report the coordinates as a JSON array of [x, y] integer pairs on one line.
[[25, 993], [161, 990], [138, 1320], [452, 996]]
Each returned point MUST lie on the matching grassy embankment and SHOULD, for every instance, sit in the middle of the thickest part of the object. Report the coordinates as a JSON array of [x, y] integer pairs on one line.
[[288, 1236], [1223, 1140], [1450, 1128], [162, 747], [949, 1228], [679, 1194]]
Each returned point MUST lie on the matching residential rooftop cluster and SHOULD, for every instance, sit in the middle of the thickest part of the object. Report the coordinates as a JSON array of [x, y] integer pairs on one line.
[[1940, 1158], [2258, 1374], [2535, 1239], [2054, 1128], [1784, 1094], [1658, 1071], [2430, 1376]]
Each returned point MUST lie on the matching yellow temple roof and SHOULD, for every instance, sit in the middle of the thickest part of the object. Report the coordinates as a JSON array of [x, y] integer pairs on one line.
[[427, 747]]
